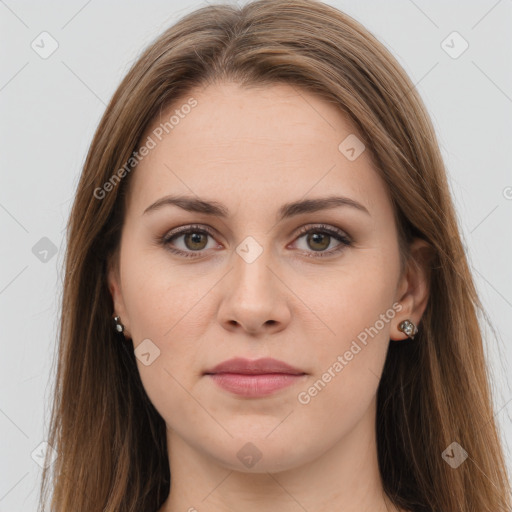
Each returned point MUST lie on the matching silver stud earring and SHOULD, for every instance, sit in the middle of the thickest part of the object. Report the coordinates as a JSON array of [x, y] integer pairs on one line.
[[118, 325], [408, 328]]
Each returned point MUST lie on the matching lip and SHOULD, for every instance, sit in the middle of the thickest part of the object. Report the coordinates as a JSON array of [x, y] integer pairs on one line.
[[256, 367], [256, 378]]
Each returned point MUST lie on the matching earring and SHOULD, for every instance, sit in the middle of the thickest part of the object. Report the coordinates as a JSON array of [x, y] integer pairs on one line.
[[118, 325], [408, 328]]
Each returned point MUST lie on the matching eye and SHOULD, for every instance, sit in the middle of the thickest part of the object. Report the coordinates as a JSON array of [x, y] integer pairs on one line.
[[195, 240], [319, 238]]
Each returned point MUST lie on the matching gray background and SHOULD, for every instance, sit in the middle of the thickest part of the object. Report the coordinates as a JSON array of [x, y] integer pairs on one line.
[[50, 108]]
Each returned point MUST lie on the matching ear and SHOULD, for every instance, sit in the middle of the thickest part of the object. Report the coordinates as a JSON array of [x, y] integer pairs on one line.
[[414, 286], [114, 286]]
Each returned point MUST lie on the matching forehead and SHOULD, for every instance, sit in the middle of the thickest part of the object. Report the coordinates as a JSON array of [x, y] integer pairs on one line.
[[257, 142]]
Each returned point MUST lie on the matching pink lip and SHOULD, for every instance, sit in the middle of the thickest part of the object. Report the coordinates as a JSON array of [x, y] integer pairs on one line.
[[254, 378]]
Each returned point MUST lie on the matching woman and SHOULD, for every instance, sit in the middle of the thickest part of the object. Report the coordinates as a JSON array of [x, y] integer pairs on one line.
[[267, 303]]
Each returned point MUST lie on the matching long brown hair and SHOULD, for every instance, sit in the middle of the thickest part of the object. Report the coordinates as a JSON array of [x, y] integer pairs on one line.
[[110, 440]]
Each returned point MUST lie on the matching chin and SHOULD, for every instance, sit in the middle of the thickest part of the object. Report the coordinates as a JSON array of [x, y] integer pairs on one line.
[[260, 455]]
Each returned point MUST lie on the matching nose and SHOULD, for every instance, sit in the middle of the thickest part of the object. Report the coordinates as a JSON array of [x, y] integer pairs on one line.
[[254, 298]]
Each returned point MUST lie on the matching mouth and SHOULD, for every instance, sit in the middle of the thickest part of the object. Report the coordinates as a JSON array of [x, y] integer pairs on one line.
[[256, 378]]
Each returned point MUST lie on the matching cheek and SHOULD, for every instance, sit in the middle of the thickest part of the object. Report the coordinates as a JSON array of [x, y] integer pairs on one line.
[[167, 310], [167, 306], [157, 293], [359, 311], [358, 296]]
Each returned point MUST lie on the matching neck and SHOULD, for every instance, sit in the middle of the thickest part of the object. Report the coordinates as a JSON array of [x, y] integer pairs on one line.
[[345, 477]]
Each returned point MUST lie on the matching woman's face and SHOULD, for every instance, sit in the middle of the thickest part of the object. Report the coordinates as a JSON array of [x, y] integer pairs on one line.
[[280, 274]]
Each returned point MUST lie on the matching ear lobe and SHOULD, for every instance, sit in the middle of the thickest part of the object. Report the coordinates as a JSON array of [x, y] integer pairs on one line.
[[114, 286], [113, 278], [415, 286], [113, 283]]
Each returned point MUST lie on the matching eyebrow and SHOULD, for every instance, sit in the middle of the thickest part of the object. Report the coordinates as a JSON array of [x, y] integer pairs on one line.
[[197, 205]]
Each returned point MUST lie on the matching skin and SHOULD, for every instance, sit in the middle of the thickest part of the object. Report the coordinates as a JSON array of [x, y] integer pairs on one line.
[[254, 149]]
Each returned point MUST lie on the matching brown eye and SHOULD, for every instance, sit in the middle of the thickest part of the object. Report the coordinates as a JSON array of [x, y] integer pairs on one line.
[[195, 240], [318, 241], [190, 241]]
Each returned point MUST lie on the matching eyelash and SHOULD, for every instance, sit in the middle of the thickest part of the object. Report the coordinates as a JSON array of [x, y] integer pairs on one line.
[[318, 228]]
